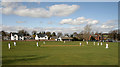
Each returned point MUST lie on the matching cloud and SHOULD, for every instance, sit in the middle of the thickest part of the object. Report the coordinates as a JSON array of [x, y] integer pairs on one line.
[[7, 7], [63, 9], [22, 10], [110, 24], [106, 26], [95, 28], [78, 21], [20, 0], [20, 21], [90, 21], [38, 29], [50, 22]]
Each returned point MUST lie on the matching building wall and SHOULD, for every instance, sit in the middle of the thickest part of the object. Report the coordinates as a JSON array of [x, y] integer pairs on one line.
[[15, 37], [36, 37], [41, 38], [21, 38], [12, 38], [60, 38]]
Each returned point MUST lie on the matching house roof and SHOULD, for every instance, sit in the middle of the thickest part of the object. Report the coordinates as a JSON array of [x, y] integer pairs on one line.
[[66, 37], [17, 34], [14, 34], [41, 35], [27, 36], [55, 37]]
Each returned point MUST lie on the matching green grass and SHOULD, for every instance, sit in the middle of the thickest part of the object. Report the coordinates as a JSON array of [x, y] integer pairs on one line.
[[27, 53]]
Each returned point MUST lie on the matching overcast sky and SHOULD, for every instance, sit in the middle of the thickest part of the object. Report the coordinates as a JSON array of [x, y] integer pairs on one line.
[[66, 17]]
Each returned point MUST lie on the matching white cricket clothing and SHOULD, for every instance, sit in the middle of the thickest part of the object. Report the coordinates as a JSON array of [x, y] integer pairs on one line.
[[87, 43], [14, 43], [8, 45], [80, 43], [64, 41], [98, 44], [94, 43], [101, 43], [37, 44], [44, 42], [106, 45]]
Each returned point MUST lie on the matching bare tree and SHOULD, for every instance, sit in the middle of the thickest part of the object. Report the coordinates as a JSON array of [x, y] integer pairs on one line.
[[34, 33], [113, 34], [59, 34], [3, 33], [53, 34], [48, 34], [75, 34], [23, 32], [86, 32], [80, 35]]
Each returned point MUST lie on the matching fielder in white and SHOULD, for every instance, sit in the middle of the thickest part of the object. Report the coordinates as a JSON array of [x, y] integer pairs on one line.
[[80, 43], [101, 43], [106, 45], [64, 41], [14, 43], [44, 42], [94, 43], [98, 43], [87, 42], [9, 45], [37, 44]]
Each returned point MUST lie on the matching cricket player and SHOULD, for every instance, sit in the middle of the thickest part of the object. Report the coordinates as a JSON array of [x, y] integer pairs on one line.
[[80, 43], [64, 41], [37, 44], [87, 42], [101, 43], [98, 43], [9, 45], [44, 42], [106, 45], [14, 43], [94, 43]]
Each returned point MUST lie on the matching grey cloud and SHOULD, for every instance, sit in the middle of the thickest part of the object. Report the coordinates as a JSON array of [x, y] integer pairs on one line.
[[110, 24]]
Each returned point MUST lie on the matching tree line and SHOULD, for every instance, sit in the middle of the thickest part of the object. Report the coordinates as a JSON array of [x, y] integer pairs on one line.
[[85, 34]]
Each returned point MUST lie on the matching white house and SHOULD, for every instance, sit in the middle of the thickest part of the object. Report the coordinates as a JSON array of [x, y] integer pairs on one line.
[[16, 36], [41, 37], [59, 38]]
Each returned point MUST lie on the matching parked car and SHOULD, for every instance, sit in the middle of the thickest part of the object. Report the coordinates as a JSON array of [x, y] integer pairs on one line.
[[110, 40]]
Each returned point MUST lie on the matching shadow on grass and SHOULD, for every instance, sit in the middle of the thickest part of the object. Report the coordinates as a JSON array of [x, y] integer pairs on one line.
[[23, 58], [18, 56]]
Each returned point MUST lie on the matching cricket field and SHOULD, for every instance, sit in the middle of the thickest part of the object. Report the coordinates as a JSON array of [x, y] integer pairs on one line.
[[59, 53]]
